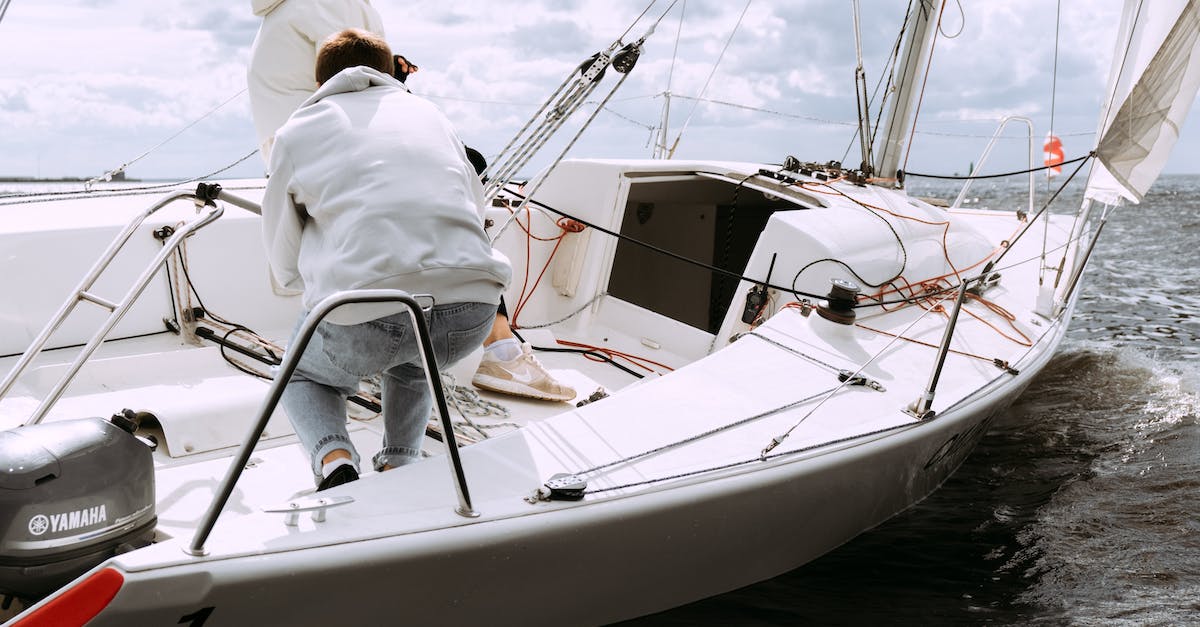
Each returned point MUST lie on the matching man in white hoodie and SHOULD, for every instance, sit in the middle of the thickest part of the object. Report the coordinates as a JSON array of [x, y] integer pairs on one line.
[[370, 187], [280, 78]]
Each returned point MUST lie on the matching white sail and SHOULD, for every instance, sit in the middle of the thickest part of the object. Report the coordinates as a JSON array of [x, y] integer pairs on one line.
[[1152, 84]]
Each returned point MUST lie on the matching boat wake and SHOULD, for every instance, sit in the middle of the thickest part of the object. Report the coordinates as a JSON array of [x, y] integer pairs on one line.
[[1117, 543], [1079, 504]]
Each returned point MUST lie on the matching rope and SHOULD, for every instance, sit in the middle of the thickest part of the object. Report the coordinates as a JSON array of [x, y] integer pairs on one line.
[[467, 402], [873, 210], [993, 176], [889, 72], [662, 251], [765, 454], [568, 316], [856, 376], [961, 26], [1046, 206], [517, 153], [700, 264]]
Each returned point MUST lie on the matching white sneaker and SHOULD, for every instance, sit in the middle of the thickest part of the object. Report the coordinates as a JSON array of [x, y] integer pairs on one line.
[[523, 376]]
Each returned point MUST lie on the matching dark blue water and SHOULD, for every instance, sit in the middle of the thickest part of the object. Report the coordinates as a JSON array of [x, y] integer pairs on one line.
[[1081, 506]]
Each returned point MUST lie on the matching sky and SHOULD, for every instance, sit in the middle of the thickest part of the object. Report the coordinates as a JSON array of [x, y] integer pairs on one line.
[[89, 85]]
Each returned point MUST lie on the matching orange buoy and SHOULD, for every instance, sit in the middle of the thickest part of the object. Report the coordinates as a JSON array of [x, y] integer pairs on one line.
[[1053, 151]]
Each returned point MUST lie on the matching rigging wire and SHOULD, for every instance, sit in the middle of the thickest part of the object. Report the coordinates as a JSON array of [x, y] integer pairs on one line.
[[107, 176], [777, 440], [738, 105], [1108, 111], [794, 116], [641, 15], [810, 118], [861, 101], [700, 436], [566, 99], [924, 82], [890, 86], [762, 457], [1053, 93], [35, 197], [688, 119], [753, 460], [1034, 219], [888, 67], [660, 146], [1054, 76]]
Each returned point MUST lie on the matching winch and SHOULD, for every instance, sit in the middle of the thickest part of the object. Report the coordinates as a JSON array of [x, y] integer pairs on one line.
[[72, 494]]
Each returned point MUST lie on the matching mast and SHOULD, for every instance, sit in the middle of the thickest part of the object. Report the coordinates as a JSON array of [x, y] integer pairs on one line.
[[911, 66]]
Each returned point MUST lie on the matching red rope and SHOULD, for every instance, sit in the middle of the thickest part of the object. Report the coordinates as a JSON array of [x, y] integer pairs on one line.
[[565, 226], [640, 362]]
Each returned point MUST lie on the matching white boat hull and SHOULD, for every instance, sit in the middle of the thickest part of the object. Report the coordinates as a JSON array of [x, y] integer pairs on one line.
[[704, 516], [591, 564]]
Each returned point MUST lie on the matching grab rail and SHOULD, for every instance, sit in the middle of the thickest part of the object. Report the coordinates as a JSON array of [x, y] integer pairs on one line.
[[986, 151], [117, 310], [291, 360]]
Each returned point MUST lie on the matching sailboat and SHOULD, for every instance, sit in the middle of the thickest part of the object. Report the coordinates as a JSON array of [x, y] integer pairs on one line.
[[771, 359]]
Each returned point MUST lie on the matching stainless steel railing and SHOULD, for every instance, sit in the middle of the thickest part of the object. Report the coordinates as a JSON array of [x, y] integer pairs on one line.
[[987, 150], [117, 310], [292, 358]]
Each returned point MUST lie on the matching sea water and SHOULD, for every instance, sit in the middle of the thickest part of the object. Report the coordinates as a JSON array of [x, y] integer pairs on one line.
[[1081, 505]]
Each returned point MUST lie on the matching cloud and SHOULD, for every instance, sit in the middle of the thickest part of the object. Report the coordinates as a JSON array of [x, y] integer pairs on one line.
[[89, 84], [14, 103], [557, 36]]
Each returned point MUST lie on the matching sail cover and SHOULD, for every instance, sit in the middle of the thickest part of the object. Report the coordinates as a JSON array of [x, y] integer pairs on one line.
[[1153, 81]]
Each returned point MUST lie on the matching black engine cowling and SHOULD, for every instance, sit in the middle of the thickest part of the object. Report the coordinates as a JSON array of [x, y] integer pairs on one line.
[[72, 494]]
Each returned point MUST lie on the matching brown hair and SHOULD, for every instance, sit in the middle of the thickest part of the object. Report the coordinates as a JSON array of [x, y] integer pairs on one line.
[[350, 48]]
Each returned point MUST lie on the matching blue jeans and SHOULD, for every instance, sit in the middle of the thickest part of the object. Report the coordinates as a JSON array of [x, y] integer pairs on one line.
[[340, 356]]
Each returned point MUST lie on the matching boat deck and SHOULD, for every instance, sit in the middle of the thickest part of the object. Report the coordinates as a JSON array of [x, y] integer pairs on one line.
[[718, 404], [205, 406]]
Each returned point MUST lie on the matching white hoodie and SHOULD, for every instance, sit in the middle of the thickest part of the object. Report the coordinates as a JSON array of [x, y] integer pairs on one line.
[[283, 59], [370, 187]]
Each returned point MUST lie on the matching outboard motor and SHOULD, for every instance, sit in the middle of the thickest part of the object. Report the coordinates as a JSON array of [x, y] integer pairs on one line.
[[72, 494]]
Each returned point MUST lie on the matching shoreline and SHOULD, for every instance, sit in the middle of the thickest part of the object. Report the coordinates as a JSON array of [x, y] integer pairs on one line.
[[30, 179]]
